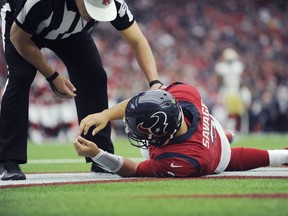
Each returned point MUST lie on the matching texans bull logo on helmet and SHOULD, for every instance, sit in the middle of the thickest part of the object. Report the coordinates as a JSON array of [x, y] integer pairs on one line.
[[156, 127]]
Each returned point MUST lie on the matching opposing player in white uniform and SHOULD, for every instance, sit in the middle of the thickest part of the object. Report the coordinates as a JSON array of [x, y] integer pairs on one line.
[[230, 70]]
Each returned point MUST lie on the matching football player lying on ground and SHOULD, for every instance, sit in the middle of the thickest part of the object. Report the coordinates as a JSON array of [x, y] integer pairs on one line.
[[182, 138]]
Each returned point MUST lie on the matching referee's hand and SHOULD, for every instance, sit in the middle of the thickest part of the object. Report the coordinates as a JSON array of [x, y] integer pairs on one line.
[[63, 88]]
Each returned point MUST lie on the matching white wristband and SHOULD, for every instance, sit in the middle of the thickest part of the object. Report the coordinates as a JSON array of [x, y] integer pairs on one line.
[[107, 161]]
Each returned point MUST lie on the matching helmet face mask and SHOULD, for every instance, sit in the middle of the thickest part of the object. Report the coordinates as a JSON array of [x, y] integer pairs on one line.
[[152, 118]]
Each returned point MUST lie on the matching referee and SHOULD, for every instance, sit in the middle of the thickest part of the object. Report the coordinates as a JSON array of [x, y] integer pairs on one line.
[[63, 26]]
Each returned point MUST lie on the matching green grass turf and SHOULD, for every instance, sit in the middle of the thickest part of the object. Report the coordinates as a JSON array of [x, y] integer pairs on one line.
[[52, 150], [147, 198], [163, 197]]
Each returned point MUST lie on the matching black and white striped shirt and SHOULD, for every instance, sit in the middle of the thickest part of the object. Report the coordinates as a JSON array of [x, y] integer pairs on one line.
[[58, 19]]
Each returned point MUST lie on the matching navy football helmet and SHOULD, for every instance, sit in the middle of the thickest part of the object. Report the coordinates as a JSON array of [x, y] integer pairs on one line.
[[152, 118]]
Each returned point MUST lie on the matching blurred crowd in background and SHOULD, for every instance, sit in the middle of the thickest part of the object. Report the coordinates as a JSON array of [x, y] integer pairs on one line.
[[188, 39]]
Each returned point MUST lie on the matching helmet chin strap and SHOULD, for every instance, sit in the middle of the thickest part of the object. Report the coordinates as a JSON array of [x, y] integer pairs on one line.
[[167, 141]]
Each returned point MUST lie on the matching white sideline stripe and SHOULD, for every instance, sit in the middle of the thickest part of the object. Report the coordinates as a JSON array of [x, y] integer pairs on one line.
[[65, 161], [54, 178]]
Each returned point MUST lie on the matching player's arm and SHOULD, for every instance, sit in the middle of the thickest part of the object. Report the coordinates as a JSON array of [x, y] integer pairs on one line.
[[31, 53], [100, 120], [139, 44], [112, 163]]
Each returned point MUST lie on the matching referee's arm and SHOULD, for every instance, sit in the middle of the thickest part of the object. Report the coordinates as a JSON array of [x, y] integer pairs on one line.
[[139, 44], [31, 53]]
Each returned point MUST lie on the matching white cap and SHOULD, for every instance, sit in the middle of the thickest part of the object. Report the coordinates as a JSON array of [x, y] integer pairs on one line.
[[101, 10]]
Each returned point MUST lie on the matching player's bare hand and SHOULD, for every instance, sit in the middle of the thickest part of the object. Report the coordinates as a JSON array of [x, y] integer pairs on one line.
[[85, 147], [99, 120], [63, 88]]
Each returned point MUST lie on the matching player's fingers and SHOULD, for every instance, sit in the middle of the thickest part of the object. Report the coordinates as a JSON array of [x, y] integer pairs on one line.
[[77, 146], [87, 143], [96, 130], [85, 129], [88, 126], [80, 149], [84, 126], [77, 141], [83, 141]]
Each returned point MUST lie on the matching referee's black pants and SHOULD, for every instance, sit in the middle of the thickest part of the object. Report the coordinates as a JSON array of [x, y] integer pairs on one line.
[[80, 55]]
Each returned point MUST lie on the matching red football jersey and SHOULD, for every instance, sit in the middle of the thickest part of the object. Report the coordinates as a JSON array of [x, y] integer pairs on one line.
[[195, 153]]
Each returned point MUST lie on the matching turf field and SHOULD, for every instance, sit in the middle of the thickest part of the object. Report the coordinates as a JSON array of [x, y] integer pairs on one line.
[[200, 196]]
